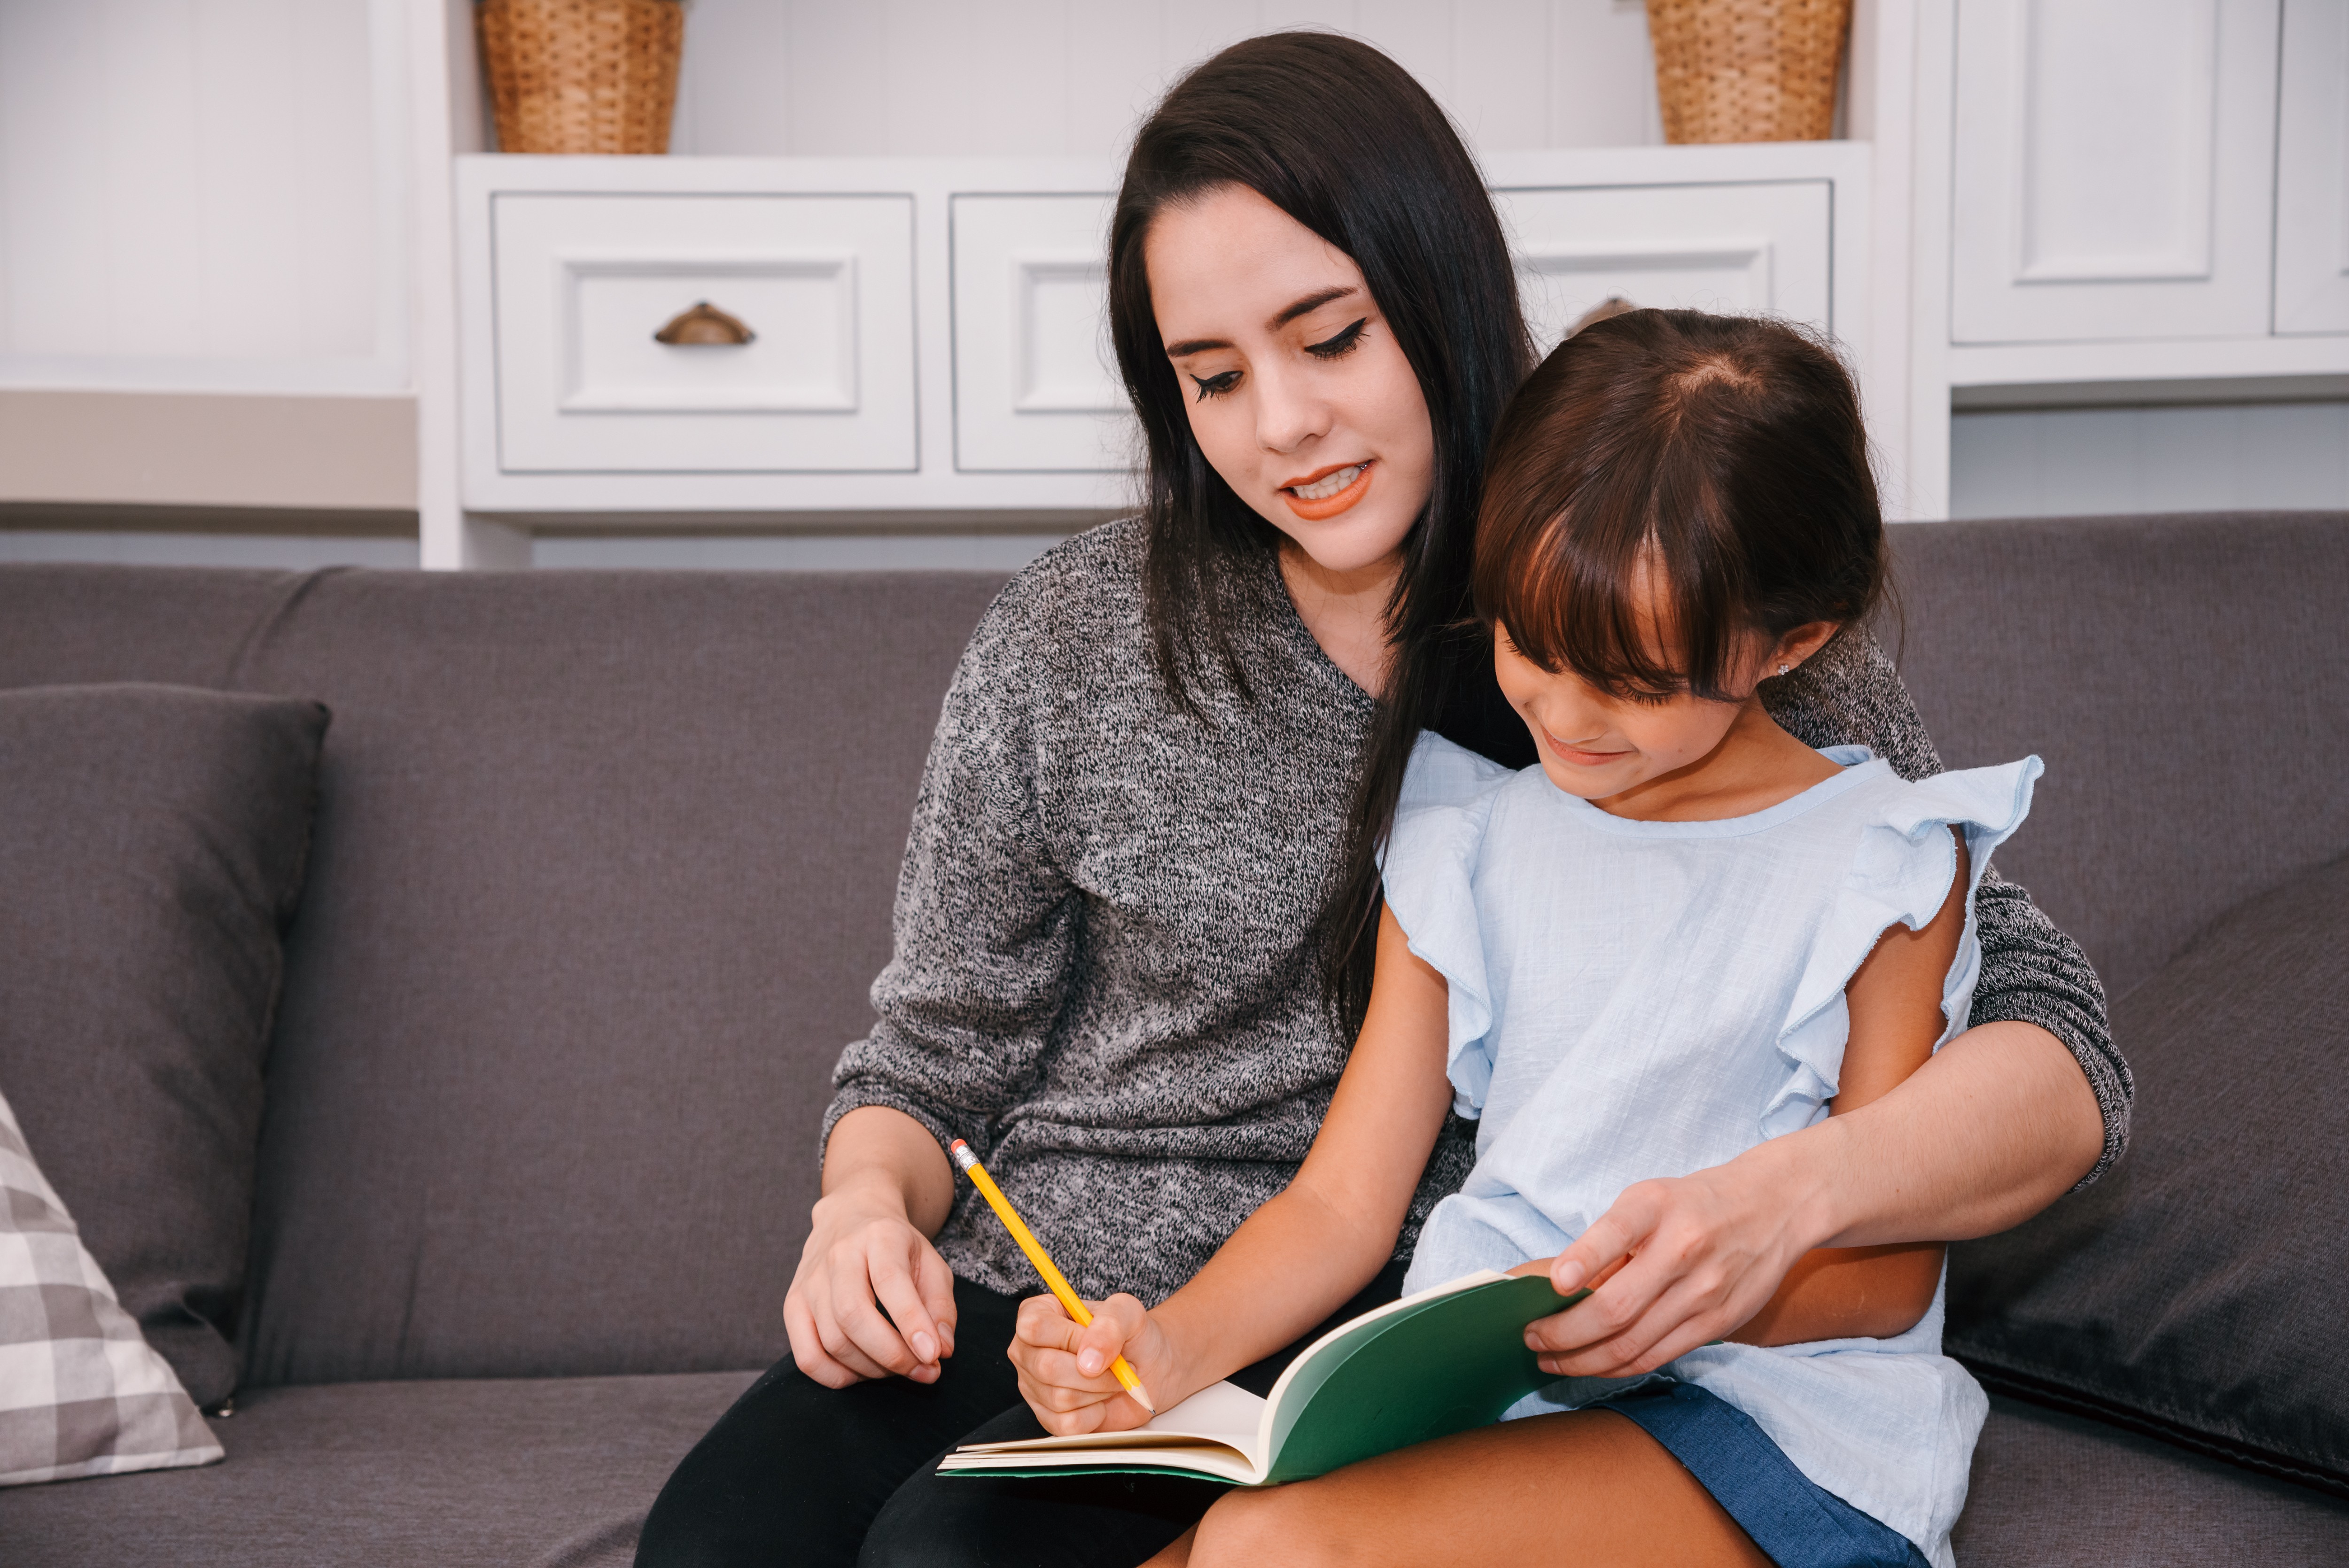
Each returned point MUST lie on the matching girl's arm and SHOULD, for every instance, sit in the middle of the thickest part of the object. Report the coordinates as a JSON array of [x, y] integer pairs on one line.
[[1895, 1003], [1981, 1137], [1299, 1256]]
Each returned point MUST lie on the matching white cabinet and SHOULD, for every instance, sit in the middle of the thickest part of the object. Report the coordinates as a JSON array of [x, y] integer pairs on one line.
[[1036, 386], [586, 283], [2312, 264], [1760, 247], [2113, 171], [929, 338]]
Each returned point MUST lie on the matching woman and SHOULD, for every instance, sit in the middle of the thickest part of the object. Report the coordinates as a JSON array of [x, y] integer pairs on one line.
[[1128, 910]]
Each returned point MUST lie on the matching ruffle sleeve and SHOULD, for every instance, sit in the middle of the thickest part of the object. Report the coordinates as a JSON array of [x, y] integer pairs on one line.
[[1428, 868], [1900, 875]]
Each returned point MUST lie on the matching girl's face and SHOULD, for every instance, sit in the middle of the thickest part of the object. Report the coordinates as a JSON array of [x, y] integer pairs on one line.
[[1601, 746], [1297, 393]]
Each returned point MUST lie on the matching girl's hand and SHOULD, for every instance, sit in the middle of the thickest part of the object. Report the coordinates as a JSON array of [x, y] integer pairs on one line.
[[1064, 1372]]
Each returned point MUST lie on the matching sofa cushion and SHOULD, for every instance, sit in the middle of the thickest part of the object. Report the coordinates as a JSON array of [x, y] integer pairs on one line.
[[80, 1392], [151, 849], [2052, 1491], [2197, 1291], [555, 1473]]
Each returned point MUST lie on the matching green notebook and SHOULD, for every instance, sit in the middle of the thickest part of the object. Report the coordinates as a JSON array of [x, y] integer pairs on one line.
[[1427, 1366]]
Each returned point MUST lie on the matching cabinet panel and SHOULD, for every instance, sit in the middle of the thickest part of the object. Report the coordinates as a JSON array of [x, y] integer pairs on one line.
[[1731, 248], [2114, 169], [823, 284], [2311, 266], [1036, 385]]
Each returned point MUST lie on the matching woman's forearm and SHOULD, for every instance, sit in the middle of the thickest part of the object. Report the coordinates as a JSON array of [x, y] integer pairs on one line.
[[880, 1156], [1996, 1126]]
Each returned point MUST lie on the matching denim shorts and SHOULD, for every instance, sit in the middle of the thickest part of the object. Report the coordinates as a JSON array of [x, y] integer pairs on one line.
[[1799, 1523]]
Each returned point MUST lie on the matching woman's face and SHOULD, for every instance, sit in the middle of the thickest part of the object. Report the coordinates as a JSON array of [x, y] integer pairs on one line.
[[1299, 395]]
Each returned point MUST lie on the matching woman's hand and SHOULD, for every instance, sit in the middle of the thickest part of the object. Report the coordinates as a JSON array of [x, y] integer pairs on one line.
[[864, 1258], [1678, 1263], [1064, 1372], [886, 1190]]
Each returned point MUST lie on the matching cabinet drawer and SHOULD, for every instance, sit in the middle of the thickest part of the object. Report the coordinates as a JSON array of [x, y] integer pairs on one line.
[[1036, 385], [1737, 249], [823, 284]]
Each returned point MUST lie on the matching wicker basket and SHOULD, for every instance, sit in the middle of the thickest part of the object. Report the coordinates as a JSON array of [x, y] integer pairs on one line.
[[582, 76], [1748, 70]]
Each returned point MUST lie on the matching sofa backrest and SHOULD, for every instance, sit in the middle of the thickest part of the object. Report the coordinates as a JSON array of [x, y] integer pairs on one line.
[[603, 864], [601, 875], [2186, 679]]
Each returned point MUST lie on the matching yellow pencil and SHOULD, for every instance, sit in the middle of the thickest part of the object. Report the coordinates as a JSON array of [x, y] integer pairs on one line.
[[1053, 1279]]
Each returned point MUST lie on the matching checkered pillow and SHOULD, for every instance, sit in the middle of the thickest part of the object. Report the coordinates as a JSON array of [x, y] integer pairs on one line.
[[81, 1393]]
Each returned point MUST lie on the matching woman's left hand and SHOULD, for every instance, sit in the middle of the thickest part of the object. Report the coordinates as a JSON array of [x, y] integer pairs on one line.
[[1678, 1262]]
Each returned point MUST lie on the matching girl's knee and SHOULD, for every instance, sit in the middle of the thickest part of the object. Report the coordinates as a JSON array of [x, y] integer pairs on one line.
[[1284, 1524]]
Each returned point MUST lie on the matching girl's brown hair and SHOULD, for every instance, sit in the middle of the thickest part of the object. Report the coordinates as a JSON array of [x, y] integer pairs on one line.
[[1709, 471]]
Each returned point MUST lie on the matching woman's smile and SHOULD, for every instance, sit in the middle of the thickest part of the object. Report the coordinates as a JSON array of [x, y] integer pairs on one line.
[[1328, 491]]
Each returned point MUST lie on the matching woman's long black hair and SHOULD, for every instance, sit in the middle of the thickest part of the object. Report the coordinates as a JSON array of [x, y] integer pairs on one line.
[[1343, 139]]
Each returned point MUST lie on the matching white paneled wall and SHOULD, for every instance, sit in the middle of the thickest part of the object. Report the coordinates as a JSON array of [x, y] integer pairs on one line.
[[2055, 462], [941, 78], [195, 193]]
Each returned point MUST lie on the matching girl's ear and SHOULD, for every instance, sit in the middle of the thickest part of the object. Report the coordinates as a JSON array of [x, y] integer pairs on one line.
[[1801, 642]]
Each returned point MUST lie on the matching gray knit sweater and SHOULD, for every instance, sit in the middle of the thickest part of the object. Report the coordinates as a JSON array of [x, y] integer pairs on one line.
[[1101, 978]]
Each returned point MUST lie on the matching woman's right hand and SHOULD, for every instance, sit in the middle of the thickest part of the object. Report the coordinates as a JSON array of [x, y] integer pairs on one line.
[[1064, 1372], [864, 1259]]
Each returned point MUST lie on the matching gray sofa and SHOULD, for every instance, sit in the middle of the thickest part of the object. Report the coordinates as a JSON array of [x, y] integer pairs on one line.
[[601, 871]]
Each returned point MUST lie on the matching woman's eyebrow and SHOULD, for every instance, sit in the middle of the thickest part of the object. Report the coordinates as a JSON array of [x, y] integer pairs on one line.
[[1304, 307], [1310, 303]]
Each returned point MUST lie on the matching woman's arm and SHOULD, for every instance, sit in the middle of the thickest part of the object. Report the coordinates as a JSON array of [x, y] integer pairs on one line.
[[984, 928], [1299, 1256]]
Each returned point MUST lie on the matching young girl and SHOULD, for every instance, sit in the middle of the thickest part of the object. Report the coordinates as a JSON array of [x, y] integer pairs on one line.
[[1640, 960]]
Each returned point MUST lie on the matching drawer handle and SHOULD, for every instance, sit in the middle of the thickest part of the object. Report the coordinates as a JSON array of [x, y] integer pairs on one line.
[[705, 325]]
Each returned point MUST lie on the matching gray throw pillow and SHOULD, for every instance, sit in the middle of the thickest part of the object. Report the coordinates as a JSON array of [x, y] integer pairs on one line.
[[151, 847], [2198, 1292]]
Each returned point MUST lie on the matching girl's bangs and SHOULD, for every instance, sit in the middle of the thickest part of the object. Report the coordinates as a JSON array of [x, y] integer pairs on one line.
[[1595, 587]]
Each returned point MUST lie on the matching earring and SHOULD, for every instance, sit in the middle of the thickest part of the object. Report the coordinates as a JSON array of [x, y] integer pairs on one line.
[[1782, 669]]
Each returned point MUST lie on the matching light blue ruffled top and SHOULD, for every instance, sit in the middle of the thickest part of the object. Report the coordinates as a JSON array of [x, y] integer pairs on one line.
[[1633, 999]]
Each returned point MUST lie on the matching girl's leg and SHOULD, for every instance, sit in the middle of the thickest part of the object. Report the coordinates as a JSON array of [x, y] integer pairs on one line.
[[1588, 1487], [795, 1471]]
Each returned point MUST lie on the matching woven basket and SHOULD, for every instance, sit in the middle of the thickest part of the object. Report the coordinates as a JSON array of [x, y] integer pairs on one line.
[[1748, 70], [582, 76]]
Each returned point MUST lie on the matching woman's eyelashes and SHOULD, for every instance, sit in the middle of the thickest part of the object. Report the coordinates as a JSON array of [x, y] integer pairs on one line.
[[1335, 347], [1345, 341]]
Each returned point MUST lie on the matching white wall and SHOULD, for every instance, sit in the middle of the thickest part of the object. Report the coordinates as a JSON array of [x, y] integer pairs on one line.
[[920, 77], [195, 195], [2057, 462]]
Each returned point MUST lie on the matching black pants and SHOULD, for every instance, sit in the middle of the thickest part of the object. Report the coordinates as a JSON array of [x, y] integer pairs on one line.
[[800, 1474]]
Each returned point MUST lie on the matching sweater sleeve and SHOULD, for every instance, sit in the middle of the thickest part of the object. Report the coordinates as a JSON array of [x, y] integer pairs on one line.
[[985, 927], [1848, 693]]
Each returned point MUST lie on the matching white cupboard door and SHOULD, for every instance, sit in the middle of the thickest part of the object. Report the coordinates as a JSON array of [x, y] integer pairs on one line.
[[2115, 171], [1735, 249], [1035, 384], [585, 283], [2312, 264]]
